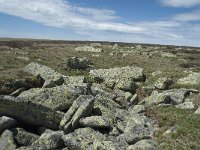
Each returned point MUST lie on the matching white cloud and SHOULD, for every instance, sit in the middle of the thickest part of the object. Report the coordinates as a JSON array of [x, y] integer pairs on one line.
[[180, 3], [191, 16], [60, 13]]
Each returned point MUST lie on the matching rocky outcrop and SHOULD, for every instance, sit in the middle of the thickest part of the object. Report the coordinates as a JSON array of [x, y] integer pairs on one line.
[[51, 77], [163, 83], [79, 109], [29, 113], [56, 98], [79, 63]]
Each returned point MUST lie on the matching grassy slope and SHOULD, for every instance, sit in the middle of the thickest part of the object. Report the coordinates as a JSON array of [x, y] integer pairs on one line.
[[53, 54]]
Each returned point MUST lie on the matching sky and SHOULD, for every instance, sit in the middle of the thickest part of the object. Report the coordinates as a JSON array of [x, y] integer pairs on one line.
[[173, 22]]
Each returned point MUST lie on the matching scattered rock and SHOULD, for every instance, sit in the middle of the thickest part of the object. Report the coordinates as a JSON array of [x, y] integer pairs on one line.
[[95, 122], [49, 141], [191, 79], [118, 74], [144, 145], [57, 98], [7, 141], [156, 98], [24, 138], [167, 54], [82, 138], [126, 85], [50, 76], [29, 113], [95, 44], [6, 123], [88, 49], [185, 105], [177, 96], [137, 109], [171, 130], [163, 83], [79, 63], [79, 109], [24, 58], [134, 99], [197, 111], [115, 46]]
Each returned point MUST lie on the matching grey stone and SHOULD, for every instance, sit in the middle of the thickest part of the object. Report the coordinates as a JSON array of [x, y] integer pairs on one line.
[[23, 137], [185, 105], [7, 141], [95, 122], [144, 145], [79, 109], [82, 138], [197, 111], [29, 112], [78, 63], [156, 98], [6, 123], [126, 85], [49, 141], [117, 74], [57, 98], [177, 96], [48, 74], [89, 49], [138, 127], [137, 109], [134, 100], [163, 83]]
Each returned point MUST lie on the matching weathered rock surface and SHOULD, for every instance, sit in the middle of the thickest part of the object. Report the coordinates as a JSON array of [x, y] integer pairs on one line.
[[143, 145], [191, 79], [197, 111], [138, 127], [79, 63], [118, 74], [156, 98], [29, 112], [95, 122], [89, 49], [185, 105], [23, 137], [49, 141], [57, 98], [7, 141], [6, 123], [163, 83], [177, 96], [80, 108], [51, 77]]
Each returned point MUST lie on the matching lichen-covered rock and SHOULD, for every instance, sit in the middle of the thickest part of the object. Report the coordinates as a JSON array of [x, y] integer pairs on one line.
[[78, 63], [29, 113], [137, 109], [23, 137], [7, 141], [95, 44], [191, 79], [167, 54], [70, 80], [144, 145], [6, 123], [57, 98], [138, 127], [156, 98], [126, 85], [185, 105], [82, 138], [134, 100], [95, 122], [48, 74], [197, 111], [80, 108], [163, 83], [89, 49], [118, 73], [177, 96], [49, 141]]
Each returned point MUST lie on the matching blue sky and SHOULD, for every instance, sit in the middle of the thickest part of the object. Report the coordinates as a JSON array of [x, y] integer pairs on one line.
[[174, 22]]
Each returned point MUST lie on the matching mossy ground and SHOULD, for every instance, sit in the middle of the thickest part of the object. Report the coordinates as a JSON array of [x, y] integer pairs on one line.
[[54, 54]]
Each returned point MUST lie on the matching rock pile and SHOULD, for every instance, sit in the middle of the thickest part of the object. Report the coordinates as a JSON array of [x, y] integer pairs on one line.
[[73, 115]]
